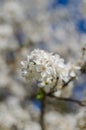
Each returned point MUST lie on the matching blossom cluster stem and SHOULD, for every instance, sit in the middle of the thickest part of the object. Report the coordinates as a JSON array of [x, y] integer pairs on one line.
[[42, 113]]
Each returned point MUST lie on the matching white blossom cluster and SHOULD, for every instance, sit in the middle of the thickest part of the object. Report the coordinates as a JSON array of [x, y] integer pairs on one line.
[[48, 69]]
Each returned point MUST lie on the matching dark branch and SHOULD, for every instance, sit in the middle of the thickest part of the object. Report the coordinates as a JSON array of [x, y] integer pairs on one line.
[[83, 68], [80, 103], [70, 80], [42, 113]]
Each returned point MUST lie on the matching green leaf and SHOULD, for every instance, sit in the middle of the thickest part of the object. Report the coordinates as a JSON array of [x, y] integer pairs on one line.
[[40, 96]]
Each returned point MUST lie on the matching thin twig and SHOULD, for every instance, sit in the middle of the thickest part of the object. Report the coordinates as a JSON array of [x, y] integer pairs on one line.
[[70, 80]]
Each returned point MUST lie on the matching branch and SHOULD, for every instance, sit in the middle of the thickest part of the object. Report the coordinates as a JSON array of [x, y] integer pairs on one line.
[[70, 80], [42, 113], [80, 103], [83, 68]]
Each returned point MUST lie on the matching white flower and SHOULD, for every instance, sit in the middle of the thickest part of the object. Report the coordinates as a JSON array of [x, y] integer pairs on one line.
[[48, 69]]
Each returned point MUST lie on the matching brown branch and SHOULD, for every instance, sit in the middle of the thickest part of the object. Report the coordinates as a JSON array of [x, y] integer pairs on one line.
[[42, 113], [83, 68], [64, 85], [70, 80], [80, 103]]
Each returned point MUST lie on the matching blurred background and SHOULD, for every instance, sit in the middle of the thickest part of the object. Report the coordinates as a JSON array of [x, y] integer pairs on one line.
[[58, 26]]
